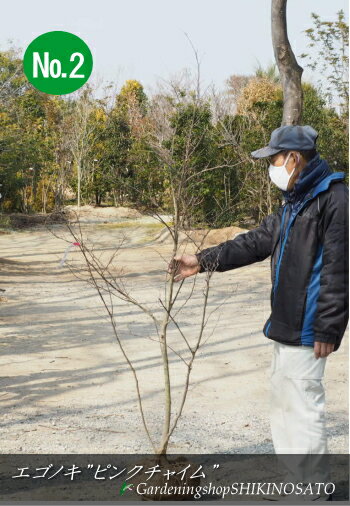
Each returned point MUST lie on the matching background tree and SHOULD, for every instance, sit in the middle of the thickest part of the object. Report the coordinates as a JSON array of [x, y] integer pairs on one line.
[[329, 57], [82, 134], [288, 67]]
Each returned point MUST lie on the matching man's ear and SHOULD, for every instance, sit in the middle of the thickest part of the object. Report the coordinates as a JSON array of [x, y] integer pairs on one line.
[[297, 158]]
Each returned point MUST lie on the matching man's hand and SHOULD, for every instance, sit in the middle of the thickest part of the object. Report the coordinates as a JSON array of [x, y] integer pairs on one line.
[[183, 266], [322, 349]]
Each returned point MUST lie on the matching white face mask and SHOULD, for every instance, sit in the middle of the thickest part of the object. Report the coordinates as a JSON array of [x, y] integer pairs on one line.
[[279, 174]]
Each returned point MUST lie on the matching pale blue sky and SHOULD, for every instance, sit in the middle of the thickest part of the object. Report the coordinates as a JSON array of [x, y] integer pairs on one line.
[[144, 39]]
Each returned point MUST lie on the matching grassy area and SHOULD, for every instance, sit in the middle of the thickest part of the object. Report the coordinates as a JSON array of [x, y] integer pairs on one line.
[[5, 223]]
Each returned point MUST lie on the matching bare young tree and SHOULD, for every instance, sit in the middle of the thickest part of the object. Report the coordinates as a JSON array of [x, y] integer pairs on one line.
[[106, 276]]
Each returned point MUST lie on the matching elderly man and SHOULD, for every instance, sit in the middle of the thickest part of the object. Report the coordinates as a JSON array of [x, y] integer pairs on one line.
[[307, 240]]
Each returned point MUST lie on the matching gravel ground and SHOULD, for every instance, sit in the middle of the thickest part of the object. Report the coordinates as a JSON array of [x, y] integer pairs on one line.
[[66, 389]]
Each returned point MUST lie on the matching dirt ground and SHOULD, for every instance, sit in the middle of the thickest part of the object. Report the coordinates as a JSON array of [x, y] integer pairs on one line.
[[65, 386]]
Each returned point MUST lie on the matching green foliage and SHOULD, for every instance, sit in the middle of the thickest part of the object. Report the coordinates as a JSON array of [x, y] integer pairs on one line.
[[180, 158], [195, 152], [332, 142], [329, 55]]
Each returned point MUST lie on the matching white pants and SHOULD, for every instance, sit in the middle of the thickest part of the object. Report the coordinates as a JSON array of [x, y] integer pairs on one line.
[[297, 406]]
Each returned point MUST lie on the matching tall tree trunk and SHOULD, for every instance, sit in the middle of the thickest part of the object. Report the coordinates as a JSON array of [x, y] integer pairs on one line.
[[288, 67]]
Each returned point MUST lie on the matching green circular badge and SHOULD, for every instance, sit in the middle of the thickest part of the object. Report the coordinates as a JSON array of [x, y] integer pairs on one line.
[[57, 62]]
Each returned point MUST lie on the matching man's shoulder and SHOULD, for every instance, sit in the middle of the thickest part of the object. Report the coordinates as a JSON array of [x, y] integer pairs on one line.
[[335, 201], [338, 190]]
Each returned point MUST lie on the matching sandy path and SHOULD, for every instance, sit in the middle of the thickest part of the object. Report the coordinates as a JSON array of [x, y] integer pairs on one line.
[[65, 387]]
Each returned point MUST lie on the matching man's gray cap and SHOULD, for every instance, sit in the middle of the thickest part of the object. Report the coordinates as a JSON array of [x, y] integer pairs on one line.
[[288, 137]]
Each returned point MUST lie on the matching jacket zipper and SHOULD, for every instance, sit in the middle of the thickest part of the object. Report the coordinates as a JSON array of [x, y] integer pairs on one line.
[[284, 238], [281, 237]]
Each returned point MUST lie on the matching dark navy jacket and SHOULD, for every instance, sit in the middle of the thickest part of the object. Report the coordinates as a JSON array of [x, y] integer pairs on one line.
[[307, 240]]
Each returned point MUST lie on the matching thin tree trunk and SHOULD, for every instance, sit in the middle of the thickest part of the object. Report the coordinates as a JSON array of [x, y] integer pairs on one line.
[[287, 64], [79, 179], [114, 193], [163, 342]]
